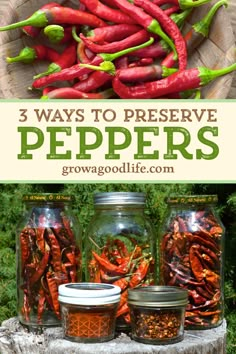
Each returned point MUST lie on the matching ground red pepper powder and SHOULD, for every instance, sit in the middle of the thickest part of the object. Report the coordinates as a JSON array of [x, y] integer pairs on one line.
[[90, 323], [88, 311]]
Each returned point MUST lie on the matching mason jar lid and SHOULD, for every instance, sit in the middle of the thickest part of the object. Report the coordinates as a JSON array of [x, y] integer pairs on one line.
[[158, 296], [119, 198], [47, 197], [192, 199], [89, 293]]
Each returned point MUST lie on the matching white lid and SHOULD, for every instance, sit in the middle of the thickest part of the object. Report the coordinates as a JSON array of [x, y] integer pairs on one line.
[[89, 293]]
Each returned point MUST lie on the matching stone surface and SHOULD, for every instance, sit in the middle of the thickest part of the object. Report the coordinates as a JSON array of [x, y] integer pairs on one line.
[[16, 339]]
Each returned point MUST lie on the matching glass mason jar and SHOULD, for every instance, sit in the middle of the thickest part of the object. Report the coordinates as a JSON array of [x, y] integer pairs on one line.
[[48, 249], [191, 256], [88, 311], [120, 246], [157, 314]]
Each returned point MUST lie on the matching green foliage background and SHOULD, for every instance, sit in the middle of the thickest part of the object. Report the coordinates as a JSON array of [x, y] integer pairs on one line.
[[11, 209]]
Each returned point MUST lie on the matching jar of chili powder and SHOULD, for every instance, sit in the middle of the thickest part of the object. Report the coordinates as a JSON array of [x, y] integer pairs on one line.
[[157, 314], [191, 257], [121, 246], [48, 254], [89, 311]]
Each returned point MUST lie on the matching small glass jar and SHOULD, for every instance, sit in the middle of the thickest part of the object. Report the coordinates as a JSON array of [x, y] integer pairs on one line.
[[191, 256], [121, 246], [88, 311], [157, 314], [48, 249]]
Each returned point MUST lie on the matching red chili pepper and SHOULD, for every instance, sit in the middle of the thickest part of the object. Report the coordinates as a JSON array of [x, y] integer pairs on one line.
[[144, 73], [159, 48], [130, 41], [171, 10], [123, 298], [196, 264], [198, 32], [68, 229], [78, 70], [53, 290], [141, 62], [139, 273], [37, 52], [122, 310], [39, 270], [95, 80], [66, 59], [110, 3], [109, 267], [107, 13], [122, 283], [25, 251], [112, 33], [58, 15], [169, 27], [55, 251], [34, 31], [72, 255], [179, 81], [144, 19], [44, 93], [71, 93]]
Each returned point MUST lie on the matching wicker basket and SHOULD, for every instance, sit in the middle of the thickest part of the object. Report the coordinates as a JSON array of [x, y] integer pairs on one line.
[[215, 52]]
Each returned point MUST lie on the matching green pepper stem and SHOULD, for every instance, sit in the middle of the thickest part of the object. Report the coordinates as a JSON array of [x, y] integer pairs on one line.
[[106, 66], [155, 27], [75, 36], [168, 71], [203, 25], [185, 4], [55, 33], [52, 68], [180, 18], [38, 19], [207, 75], [44, 98], [90, 33], [113, 56], [197, 95], [27, 55]]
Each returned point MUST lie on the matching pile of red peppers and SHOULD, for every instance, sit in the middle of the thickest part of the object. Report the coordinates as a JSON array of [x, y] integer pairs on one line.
[[118, 49]]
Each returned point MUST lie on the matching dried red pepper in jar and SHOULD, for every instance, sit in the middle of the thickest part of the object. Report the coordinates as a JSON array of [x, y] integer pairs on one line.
[[191, 257], [120, 245], [48, 254]]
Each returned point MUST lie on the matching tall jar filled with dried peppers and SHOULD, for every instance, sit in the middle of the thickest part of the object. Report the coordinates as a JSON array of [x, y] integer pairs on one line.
[[191, 257], [48, 254], [120, 246]]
